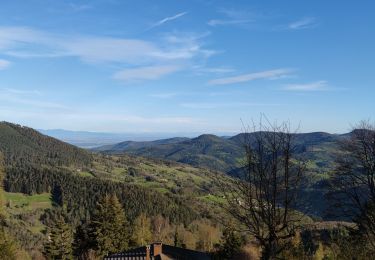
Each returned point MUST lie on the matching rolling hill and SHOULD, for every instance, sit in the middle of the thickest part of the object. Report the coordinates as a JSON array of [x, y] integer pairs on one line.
[[224, 154], [25, 147], [45, 176]]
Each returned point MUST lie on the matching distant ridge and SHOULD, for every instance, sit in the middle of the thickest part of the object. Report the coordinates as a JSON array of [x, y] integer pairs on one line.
[[86, 139], [214, 152]]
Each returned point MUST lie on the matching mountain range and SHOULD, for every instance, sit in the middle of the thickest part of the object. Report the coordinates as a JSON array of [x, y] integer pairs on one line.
[[224, 153], [182, 166]]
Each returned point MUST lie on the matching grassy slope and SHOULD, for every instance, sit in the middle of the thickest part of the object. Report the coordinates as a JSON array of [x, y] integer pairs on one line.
[[177, 178], [317, 149], [23, 214]]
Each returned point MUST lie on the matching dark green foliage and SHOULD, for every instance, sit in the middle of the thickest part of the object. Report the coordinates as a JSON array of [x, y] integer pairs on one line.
[[232, 243], [220, 153], [81, 194], [57, 196], [60, 239], [2, 177], [109, 227], [207, 151], [83, 241], [23, 146]]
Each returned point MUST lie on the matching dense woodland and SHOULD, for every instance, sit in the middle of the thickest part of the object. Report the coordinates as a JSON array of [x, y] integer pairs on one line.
[[55, 194]]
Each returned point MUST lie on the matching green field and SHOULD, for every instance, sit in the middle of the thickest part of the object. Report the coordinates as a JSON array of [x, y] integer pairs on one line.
[[28, 202]]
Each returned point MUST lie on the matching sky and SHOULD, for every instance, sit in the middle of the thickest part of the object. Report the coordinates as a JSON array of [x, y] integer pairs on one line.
[[186, 66]]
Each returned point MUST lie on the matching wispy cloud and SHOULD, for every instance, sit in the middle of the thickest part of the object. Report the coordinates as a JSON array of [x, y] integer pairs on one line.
[[313, 86], [202, 69], [21, 91], [233, 17], [79, 7], [164, 95], [28, 98], [145, 73], [217, 22], [268, 74], [224, 105], [160, 56], [24, 42], [304, 23], [168, 19], [4, 64]]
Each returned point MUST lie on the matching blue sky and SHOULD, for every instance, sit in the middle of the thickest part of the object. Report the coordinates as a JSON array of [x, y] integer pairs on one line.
[[186, 66]]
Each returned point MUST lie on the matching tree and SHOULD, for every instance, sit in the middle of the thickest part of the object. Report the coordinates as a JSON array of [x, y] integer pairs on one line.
[[353, 183], [2, 177], [263, 199], [160, 228], [231, 243], [208, 235], [110, 227], [83, 243], [57, 196], [60, 239], [142, 230]]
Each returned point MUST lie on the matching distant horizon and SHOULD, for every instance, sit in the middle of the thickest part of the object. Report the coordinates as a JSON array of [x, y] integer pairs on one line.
[[183, 133]]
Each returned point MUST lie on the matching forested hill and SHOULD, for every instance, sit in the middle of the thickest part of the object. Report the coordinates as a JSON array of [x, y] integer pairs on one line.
[[46, 180], [224, 154], [24, 145]]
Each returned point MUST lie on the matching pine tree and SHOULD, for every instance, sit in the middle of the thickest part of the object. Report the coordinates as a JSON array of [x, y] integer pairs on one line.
[[2, 176], [142, 230], [60, 239], [232, 243], [110, 227]]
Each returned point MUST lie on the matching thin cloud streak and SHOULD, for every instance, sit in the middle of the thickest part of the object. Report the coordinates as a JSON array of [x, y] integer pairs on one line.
[[223, 105], [27, 98], [145, 73], [21, 91], [304, 23], [217, 22], [268, 74], [164, 95], [168, 19], [314, 86]]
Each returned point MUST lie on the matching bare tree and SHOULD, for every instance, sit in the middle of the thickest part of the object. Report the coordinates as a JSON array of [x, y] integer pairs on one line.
[[353, 184], [264, 198]]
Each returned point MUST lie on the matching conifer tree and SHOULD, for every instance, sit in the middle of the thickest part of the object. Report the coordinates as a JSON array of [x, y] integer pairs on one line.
[[110, 227], [142, 230], [231, 245], [84, 244], [60, 239], [2, 177]]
